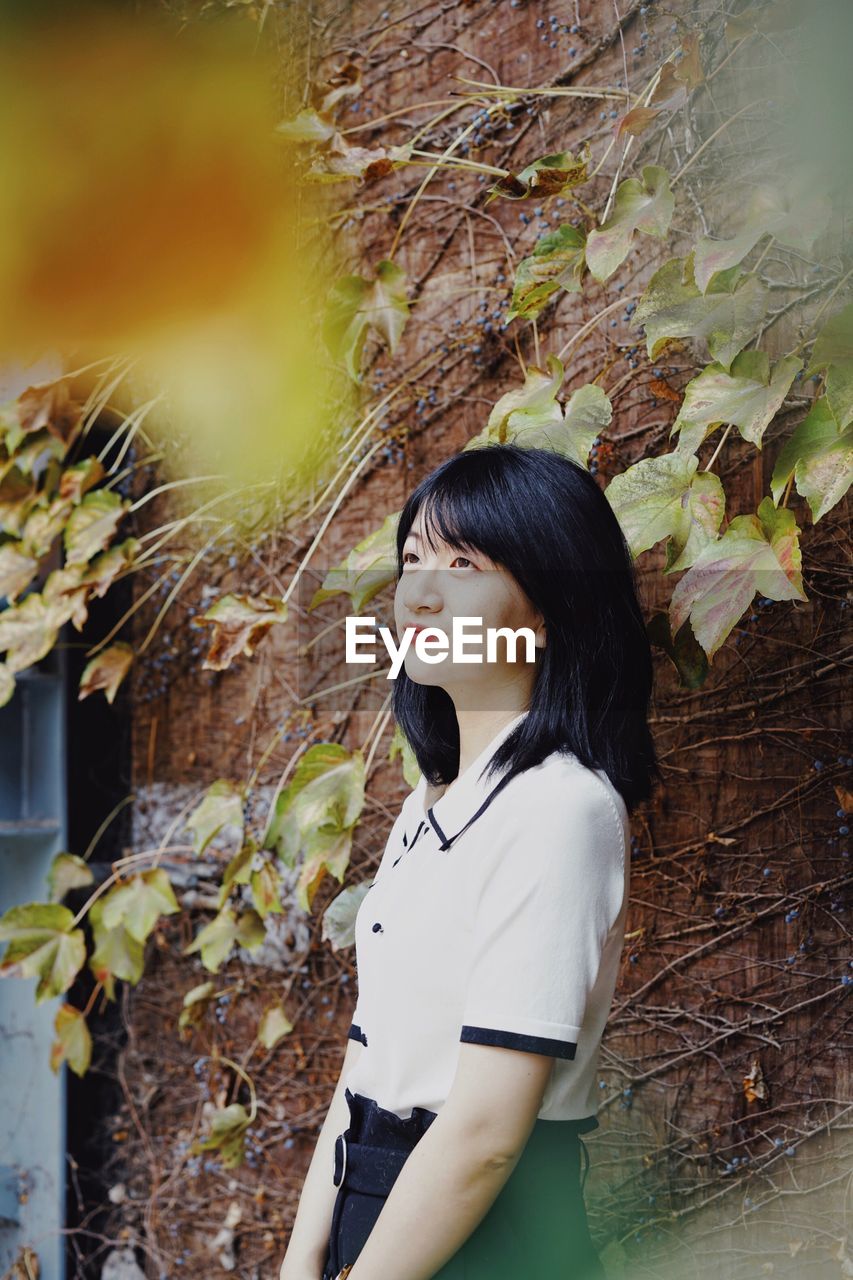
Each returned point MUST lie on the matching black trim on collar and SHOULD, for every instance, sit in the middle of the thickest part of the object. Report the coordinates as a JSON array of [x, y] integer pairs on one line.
[[355, 1033], [438, 830], [447, 841], [515, 1040]]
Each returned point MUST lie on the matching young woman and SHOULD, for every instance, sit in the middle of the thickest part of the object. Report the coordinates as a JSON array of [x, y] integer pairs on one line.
[[489, 941]]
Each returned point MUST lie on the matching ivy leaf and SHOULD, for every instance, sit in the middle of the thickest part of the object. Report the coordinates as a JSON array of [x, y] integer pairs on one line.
[[273, 1026], [44, 525], [323, 799], [550, 175], [833, 352], [687, 655], [747, 396], [557, 262], [819, 455], [18, 496], [106, 567], [17, 569], [73, 1043], [370, 566], [221, 806], [725, 316], [636, 121], [356, 305], [106, 671], [67, 872], [27, 631], [92, 524], [79, 479], [116, 954], [65, 596], [325, 853], [400, 744], [195, 1005], [217, 939], [666, 497], [756, 554], [239, 870], [140, 903], [239, 623], [42, 944], [339, 916], [265, 884], [339, 161], [306, 126], [7, 685], [644, 204], [794, 219], [227, 1135]]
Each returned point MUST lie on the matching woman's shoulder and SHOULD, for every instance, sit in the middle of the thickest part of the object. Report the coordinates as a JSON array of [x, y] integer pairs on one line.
[[562, 792]]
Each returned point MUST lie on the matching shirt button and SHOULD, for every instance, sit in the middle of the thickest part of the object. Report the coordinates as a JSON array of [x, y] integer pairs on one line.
[[377, 928]]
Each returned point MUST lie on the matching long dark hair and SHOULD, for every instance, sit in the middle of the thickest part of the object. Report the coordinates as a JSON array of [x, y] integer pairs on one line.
[[544, 519]]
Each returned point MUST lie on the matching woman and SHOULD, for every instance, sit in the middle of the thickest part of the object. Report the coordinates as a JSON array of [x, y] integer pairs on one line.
[[489, 941]]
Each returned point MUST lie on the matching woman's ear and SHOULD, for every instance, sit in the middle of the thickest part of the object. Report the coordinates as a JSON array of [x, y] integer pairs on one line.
[[541, 637]]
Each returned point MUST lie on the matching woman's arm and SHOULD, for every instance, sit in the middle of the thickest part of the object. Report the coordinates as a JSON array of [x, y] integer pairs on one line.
[[309, 1239], [454, 1174]]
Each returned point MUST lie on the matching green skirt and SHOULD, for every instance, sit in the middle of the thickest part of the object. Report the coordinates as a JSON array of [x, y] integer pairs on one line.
[[536, 1229]]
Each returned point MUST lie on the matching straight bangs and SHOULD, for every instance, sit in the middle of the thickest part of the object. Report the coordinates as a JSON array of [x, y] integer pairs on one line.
[[544, 519]]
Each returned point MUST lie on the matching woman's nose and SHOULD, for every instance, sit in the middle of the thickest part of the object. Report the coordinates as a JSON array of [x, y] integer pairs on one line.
[[421, 589]]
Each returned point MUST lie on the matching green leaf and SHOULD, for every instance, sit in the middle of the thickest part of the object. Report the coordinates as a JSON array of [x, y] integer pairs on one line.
[[324, 798], [795, 220], [756, 554], [116, 953], [222, 806], [666, 497], [73, 1043], [357, 305], [217, 939], [532, 416], [370, 566], [557, 262], [106, 671], [324, 854], [833, 352], [67, 872], [227, 1135], [92, 524], [105, 568], [550, 175], [339, 916], [645, 205], [28, 631], [195, 1005], [273, 1026], [139, 904], [265, 885], [17, 569], [726, 316], [820, 457], [748, 397], [400, 745], [44, 524], [239, 624], [239, 869], [687, 655], [44, 945]]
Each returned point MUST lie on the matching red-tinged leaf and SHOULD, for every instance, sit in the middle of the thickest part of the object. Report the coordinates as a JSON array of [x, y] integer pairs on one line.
[[636, 121], [105, 568], [265, 884], [79, 479], [106, 671], [670, 91], [239, 624], [49, 407], [65, 596], [18, 496], [73, 1043]]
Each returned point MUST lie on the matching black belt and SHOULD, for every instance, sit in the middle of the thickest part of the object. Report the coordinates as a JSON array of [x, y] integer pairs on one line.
[[370, 1170]]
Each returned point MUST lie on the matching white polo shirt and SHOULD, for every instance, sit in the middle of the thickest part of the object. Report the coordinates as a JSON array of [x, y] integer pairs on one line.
[[506, 933]]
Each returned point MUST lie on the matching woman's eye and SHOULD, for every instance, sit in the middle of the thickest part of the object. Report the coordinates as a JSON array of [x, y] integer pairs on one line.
[[468, 563], [406, 555]]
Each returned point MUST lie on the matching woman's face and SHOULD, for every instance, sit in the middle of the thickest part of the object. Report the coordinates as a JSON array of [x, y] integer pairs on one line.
[[437, 586]]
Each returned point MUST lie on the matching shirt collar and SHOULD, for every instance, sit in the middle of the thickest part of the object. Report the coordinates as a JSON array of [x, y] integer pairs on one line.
[[448, 811]]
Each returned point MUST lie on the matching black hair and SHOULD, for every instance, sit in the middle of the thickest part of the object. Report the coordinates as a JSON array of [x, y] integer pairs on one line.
[[543, 518]]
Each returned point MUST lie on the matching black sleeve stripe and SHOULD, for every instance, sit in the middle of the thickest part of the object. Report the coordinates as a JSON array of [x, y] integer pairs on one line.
[[355, 1033], [515, 1040]]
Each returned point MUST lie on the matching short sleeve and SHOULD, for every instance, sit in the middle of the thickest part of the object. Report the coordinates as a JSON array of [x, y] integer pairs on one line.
[[553, 895]]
